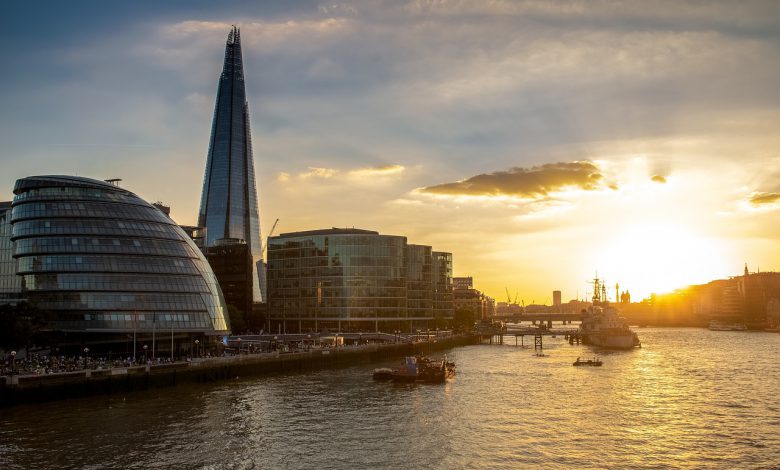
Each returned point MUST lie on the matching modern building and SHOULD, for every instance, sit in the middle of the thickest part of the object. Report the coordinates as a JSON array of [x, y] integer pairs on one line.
[[228, 206], [10, 283], [108, 266], [419, 281], [442, 284], [355, 280]]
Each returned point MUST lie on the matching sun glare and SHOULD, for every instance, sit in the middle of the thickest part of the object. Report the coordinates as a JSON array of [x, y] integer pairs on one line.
[[653, 258]]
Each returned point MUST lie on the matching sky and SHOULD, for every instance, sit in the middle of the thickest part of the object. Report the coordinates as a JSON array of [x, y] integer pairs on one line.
[[540, 142]]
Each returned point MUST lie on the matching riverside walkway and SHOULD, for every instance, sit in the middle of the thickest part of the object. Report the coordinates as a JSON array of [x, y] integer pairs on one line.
[[17, 389]]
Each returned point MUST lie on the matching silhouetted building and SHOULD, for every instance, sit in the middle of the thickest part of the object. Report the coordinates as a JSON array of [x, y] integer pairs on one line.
[[231, 261], [228, 206], [106, 264], [557, 300]]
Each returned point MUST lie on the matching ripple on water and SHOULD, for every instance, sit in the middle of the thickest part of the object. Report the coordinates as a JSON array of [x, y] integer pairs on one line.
[[688, 399]]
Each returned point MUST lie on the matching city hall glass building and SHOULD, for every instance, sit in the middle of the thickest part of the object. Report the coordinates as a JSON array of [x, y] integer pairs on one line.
[[228, 206], [352, 280], [103, 261]]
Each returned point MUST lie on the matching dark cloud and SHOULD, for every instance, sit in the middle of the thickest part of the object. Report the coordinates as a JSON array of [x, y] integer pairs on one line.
[[534, 182], [764, 198], [658, 179]]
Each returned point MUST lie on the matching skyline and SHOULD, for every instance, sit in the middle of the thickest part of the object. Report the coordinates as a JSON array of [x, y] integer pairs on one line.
[[538, 142]]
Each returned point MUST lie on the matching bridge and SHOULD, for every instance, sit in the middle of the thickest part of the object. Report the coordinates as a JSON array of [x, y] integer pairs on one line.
[[496, 334], [539, 317]]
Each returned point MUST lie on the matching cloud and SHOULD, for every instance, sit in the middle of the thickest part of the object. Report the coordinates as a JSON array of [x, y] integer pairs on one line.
[[658, 179], [532, 183], [760, 198], [385, 170], [283, 177], [324, 173]]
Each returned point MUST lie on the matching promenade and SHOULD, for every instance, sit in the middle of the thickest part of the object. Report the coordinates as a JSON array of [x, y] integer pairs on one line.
[[119, 379]]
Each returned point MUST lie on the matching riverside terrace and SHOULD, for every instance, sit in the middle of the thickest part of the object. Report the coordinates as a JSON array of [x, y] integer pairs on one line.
[[289, 355]]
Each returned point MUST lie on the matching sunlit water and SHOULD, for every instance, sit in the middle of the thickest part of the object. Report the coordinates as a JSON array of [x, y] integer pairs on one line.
[[689, 398]]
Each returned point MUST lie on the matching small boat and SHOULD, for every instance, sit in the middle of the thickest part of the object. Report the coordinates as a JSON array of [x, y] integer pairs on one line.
[[596, 362], [418, 369]]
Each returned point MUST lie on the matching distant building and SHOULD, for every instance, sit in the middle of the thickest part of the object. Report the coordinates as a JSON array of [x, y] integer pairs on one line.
[[463, 282], [355, 280], [106, 264], [557, 300], [228, 206]]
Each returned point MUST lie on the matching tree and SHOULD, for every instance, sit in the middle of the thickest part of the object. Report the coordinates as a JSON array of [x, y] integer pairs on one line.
[[21, 325], [463, 319], [237, 322]]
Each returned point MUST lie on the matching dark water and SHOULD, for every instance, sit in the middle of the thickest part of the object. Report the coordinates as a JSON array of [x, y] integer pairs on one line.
[[690, 398]]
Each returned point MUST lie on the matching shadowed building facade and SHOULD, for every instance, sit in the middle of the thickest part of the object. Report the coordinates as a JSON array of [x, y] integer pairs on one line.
[[228, 206], [106, 263]]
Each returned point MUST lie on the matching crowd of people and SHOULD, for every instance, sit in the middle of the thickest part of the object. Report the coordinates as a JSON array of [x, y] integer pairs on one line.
[[37, 364]]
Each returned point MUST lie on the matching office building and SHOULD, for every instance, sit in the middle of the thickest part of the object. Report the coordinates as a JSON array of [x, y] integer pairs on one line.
[[228, 206], [10, 283], [355, 280]]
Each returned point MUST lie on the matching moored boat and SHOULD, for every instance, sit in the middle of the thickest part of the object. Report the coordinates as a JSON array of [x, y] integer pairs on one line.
[[603, 326], [418, 369]]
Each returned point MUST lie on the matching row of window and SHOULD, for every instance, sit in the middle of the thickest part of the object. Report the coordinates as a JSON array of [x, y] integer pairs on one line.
[[98, 263], [103, 245], [86, 209], [75, 193], [114, 282], [275, 253], [95, 227], [344, 271], [122, 301]]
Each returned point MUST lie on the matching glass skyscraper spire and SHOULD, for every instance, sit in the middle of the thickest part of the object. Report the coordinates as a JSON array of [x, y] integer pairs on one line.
[[228, 206]]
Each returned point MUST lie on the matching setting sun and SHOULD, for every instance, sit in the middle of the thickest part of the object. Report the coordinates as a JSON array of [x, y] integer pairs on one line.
[[658, 258]]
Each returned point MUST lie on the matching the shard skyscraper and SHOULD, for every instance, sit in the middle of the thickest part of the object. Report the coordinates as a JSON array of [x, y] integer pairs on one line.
[[228, 205]]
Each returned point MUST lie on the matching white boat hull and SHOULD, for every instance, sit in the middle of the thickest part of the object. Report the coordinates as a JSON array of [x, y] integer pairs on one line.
[[611, 341]]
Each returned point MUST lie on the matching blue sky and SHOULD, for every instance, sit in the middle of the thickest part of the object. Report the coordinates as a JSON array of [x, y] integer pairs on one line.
[[538, 141]]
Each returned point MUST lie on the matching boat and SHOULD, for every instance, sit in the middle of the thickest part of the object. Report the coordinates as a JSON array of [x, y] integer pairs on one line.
[[418, 369], [723, 326], [602, 324], [595, 362]]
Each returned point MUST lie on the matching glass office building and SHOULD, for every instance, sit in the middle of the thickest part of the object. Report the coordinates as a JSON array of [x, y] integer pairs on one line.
[[10, 283], [349, 280], [228, 206], [103, 261]]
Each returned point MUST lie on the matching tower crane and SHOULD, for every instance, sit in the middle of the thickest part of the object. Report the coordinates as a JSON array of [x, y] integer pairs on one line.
[[270, 234]]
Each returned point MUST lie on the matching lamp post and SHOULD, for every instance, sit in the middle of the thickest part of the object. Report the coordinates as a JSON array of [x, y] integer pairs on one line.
[[197, 347], [308, 342], [146, 356], [13, 362], [275, 339], [239, 346], [86, 353]]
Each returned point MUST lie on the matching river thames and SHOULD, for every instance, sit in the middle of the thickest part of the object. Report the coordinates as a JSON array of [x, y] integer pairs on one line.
[[689, 398]]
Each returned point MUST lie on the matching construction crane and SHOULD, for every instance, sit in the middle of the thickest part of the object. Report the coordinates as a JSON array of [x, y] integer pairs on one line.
[[508, 297], [270, 234]]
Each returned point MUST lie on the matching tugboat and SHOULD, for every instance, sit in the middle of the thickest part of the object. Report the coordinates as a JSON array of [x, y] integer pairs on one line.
[[418, 369], [602, 325], [595, 362]]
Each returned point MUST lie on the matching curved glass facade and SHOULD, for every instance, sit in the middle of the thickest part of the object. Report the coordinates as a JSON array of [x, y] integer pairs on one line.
[[101, 259]]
